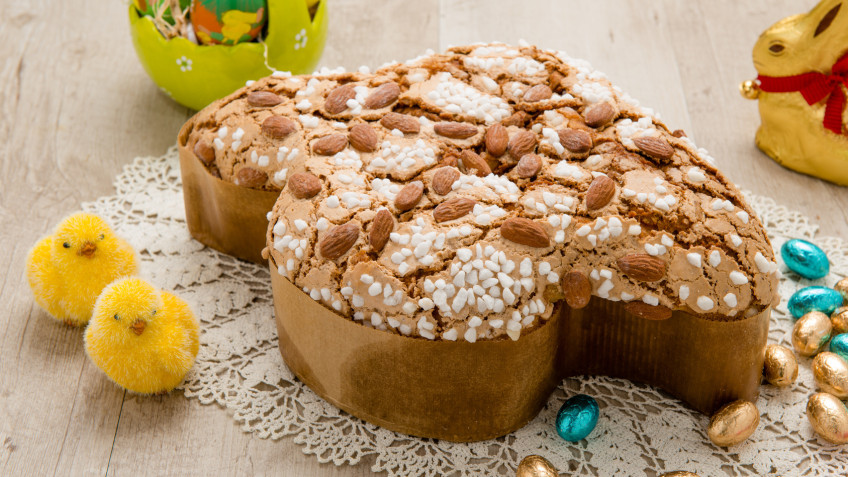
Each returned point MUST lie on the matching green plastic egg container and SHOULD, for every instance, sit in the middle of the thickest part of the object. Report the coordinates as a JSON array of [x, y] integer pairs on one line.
[[196, 75]]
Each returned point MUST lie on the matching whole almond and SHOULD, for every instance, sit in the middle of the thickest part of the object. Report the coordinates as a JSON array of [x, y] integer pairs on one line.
[[382, 96], [523, 142], [409, 196], [497, 140], [402, 122], [642, 267], [600, 193], [473, 162], [599, 114], [577, 289], [363, 137], [337, 99], [453, 209], [443, 179], [575, 140], [528, 166], [525, 232], [455, 130], [263, 99], [339, 240], [304, 185], [329, 145], [278, 127], [250, 177], [538, 93], [204, 151], [381, 228], [656, 147], [648, 312]]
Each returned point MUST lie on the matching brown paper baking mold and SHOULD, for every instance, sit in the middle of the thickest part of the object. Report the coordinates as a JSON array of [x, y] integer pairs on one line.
[[460, 391], [221, 215]]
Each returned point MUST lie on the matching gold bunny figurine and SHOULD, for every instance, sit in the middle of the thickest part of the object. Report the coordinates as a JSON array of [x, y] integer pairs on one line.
[[802, 62]]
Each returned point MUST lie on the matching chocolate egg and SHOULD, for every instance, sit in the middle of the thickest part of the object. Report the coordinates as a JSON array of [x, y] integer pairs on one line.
[[809, 299], [805, 259], [842, 287], [839, 320], [577, 417], [831, 373], [679, 473], [781, 367], [733, 423], [839, 345], [829, 417], [811, 333], [535, 466]]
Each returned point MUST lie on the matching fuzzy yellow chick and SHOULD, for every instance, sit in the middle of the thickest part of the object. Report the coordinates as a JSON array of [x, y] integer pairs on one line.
[[144, 339], [69, 269]]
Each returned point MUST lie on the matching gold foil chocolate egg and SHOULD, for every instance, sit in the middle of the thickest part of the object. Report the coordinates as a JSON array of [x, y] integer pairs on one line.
[[842, 287], [535, 466], [811, 333], [831, 373], [839, 320], [829, 417], [781, 367], [679, 473], [733, 423]]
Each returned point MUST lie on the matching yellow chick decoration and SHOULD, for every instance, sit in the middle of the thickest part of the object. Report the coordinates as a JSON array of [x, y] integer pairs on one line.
[[68, 270], [803, 70], [144, 339]]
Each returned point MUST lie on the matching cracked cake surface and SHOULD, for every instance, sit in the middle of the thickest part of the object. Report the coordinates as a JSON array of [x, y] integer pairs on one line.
[[460, 196]]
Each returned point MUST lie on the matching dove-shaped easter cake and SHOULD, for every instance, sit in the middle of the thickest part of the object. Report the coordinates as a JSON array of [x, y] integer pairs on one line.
[[455, 233]]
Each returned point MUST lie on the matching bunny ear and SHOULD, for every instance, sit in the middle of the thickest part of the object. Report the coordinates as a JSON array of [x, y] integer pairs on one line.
[[827, 20]]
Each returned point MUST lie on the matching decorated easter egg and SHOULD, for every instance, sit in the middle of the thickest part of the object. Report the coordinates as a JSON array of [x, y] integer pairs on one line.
[[805, 259], [842, 287], [839, 320], [839, 345], [577, 417], [535, 466], [781, 367], [811, 333], [809, 299], [831, 374], [227, 22], [829, 417], [733, 423]]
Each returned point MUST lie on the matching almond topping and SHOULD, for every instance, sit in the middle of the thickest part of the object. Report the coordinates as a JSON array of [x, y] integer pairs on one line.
[[363, 137], [329, 145], [648, 312], [337, 99], [455, 130], [443, 179], [656, 147], [402, 122], [409, 196], [204, 151], [453, 209], [577, 289], [642, 267], [304, 185], [473, 162], [263, 99], [599, 114], [523, 142], [538, 93], [381, 228], [528, 166], [600, 193], [278, 127], [525, 232], [382, 96], [339, 240], [575, 140], [250, 177], [497, 140]]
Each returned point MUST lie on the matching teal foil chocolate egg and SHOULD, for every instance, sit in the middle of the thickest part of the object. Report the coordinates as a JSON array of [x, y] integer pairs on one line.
[[577, 417], [805, 259], [809, 299], [839, 345]]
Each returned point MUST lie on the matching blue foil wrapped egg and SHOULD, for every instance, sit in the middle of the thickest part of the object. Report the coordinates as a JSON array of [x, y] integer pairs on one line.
[[577, 417], [839, 345], [809, 299], [805, 259]]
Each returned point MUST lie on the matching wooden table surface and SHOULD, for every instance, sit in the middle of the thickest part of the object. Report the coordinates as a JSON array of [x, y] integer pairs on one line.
[[76, 106]]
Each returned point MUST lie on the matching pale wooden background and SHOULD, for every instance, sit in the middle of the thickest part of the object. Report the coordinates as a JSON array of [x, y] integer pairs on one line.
[[75, 106]]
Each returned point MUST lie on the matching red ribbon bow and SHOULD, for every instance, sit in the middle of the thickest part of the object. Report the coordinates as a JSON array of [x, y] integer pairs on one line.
[[815, 87]]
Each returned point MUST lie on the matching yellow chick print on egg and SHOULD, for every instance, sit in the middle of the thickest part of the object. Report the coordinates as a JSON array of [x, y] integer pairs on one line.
[[145, 340], [68, 270]]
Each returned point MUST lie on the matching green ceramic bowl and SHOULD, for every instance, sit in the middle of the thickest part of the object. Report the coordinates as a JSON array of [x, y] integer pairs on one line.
[[195, 75]]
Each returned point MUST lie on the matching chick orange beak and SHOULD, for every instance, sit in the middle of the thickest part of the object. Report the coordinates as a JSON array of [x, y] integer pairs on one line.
[[138, 326], [88, 250]]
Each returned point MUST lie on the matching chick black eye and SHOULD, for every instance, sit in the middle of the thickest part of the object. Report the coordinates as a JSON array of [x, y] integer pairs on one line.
[[153, 312], [101, 237], [777, 48], [116, 317], [66, 245]]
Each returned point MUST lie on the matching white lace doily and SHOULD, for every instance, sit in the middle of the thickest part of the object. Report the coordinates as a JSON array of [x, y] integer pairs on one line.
[[641, 431]]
